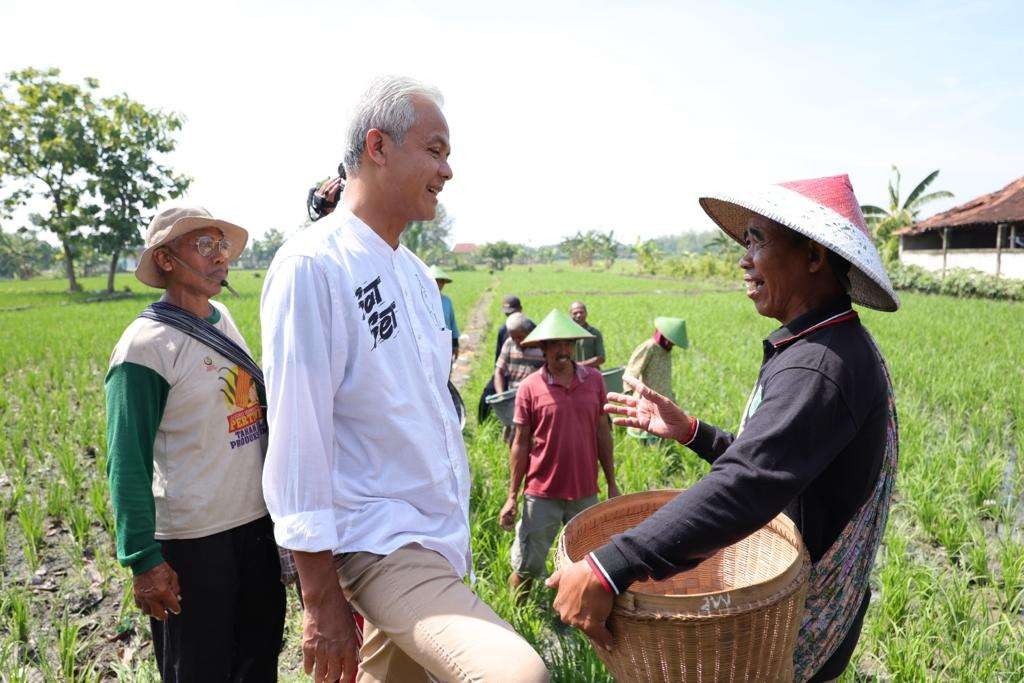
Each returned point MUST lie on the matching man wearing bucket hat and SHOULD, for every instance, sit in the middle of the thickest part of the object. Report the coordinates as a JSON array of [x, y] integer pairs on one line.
[[818, 438], [651, 362], [561, 436], [442, 278], [367, 476], [186, 435]]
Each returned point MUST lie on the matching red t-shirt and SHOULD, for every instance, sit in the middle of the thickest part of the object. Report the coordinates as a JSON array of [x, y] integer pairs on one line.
[[563, 422]]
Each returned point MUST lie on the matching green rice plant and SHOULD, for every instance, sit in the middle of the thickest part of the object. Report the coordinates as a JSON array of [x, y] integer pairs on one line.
[[14, 498], [18, 674], [69, 649], [16, 612], [20, 460], [952, 531], [3, 540], [58, 498], [99, 499], [8, 656], [1011, 564], [141, 672], [931, 512], [896, 587], [80, 524], [69, 468], [961, 426], [907, 655], [976, 557], [31, 517], [127, 611], [984, 484]]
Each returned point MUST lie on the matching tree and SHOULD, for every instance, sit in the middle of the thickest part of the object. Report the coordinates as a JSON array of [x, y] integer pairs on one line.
[[427, 239], [546, 254], [723, 245], [607, 247], [128, 176], [48, 150], [263, 250], [648, 255], [498, 254], [884, 224], [581, 248], [23, 255]]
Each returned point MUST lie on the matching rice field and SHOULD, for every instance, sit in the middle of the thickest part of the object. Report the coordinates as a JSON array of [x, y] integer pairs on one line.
[[948, 586]]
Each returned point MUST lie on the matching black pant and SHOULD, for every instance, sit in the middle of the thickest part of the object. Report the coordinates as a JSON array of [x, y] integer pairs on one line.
[[231, 624]]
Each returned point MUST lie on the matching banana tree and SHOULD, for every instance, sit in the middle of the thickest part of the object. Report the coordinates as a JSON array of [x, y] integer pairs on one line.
[[884, 223]]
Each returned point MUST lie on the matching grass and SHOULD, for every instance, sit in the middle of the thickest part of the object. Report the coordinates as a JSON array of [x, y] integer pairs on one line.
[[948, 585]]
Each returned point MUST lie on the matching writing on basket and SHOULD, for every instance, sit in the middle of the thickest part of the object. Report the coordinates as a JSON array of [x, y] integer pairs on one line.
[[715, 602]]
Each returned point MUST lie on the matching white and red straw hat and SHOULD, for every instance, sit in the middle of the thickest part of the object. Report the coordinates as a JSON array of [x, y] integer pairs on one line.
[[823, 209]]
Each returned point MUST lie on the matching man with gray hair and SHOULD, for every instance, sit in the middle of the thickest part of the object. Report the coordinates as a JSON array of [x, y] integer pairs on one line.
[[366, 475], [516, 363]]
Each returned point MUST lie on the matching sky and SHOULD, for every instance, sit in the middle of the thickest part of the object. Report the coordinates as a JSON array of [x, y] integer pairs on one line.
[[564, 116]]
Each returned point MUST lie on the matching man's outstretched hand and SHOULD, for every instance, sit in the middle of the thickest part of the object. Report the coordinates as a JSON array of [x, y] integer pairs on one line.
[[582, 601], [650, 411]]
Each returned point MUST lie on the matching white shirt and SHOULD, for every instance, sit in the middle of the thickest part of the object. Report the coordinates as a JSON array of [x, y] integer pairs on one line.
[[365, 450]]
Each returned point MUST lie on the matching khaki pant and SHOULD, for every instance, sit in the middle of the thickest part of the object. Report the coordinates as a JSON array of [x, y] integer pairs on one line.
[[537, 528], [422, 620]]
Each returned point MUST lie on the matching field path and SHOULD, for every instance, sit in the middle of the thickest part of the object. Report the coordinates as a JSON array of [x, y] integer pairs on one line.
[[475, 331]]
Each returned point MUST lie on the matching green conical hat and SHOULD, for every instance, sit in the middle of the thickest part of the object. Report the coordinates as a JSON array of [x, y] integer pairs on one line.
[[556, 325], [674, 329], [438, 274]]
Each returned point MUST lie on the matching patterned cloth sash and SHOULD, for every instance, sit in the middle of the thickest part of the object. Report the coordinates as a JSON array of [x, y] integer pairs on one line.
[[840, 578], [206, 334]]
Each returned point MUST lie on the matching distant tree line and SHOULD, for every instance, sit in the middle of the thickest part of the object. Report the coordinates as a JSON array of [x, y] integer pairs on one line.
[[88, 167]]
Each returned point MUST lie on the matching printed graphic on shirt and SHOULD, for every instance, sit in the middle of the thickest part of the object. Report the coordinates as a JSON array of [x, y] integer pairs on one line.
[[382, 321], [752, 404], [755, 402], [245, 424]]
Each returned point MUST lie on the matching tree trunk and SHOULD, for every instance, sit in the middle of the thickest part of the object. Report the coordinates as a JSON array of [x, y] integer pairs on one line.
[[69, 268], [113, 270]]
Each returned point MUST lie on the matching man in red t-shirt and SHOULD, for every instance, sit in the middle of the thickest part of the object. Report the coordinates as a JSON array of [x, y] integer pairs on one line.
[[560, 437]]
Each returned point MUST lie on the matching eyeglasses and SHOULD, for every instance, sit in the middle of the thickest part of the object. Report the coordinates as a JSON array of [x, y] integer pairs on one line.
[[206, 245]]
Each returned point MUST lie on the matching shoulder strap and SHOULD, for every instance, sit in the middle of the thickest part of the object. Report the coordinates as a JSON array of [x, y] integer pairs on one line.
[[204, 333], [840, 578]]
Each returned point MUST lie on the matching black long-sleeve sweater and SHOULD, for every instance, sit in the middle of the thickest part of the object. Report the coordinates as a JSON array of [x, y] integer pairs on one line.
[[811, 445]]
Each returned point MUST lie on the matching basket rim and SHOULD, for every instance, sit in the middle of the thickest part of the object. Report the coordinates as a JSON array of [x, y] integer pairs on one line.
[[638, 604]]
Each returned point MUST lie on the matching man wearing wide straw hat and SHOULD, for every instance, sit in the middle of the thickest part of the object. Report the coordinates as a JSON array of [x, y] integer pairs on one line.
[[442, 278], [817, 439], [651, 362], [186, 435], [561, 435]]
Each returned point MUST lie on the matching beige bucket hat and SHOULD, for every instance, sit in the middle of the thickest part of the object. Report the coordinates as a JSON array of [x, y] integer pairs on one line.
[[175, 221]]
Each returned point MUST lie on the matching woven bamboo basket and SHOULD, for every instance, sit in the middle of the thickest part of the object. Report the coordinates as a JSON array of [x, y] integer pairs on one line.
[[733, 617]]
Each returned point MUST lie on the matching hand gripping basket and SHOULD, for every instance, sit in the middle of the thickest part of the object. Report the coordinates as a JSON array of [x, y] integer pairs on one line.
[[734, 617]]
